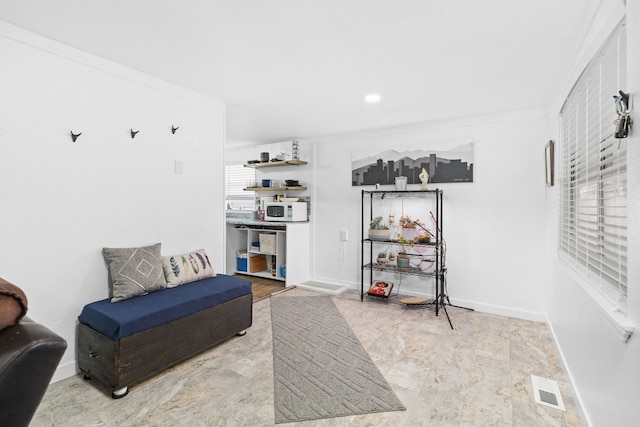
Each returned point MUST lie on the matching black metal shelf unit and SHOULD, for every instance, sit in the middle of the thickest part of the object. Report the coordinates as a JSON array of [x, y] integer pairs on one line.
[[437, 243]]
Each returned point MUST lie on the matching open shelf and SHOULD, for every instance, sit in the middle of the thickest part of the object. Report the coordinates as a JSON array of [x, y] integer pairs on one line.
[[396, 242], [274, 164], [394, 269], [294, 188]]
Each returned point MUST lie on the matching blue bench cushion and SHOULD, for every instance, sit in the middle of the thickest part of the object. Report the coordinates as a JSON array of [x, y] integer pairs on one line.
[[118, 320]]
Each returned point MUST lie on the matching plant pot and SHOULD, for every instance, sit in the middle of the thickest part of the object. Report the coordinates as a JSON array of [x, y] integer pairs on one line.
[[382, 262], [402, 262], [409, 234], [379, 234]]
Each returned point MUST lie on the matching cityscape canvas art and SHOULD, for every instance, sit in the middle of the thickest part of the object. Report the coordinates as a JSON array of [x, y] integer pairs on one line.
[[444, 162]]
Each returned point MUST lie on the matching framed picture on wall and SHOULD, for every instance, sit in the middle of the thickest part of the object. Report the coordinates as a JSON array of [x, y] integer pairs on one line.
[[444, 161], [548, 162]]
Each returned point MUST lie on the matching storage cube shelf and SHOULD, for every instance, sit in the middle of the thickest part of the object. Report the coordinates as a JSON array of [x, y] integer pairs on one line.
[[265, 250]]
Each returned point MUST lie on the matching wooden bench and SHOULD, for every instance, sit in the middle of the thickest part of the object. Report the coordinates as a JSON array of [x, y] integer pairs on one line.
[[122, 343]]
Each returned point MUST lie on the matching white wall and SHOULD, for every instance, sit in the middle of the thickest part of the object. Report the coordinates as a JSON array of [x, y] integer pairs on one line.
[[63, 201], [493, 226], [604, 371]]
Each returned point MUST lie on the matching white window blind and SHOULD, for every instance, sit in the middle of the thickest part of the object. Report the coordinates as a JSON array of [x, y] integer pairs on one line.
[[593, 178], [237, 177]]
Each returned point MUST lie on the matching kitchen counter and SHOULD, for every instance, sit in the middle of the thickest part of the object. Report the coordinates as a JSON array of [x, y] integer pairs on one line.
[[258, 223]]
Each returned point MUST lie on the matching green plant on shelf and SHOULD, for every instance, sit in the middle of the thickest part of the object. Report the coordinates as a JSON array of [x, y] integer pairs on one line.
[[376, 224]]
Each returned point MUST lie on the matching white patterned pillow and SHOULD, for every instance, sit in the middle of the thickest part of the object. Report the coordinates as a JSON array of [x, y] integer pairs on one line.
[[185, 268], [134, 271]]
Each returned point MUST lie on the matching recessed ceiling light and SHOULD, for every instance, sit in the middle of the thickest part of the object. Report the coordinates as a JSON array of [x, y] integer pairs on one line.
[[374, 97]]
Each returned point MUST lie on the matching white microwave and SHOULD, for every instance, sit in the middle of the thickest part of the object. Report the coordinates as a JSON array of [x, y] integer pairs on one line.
[[285, 211]]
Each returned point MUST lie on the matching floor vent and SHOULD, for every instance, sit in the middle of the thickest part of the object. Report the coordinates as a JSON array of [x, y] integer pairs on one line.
[[547, 393]]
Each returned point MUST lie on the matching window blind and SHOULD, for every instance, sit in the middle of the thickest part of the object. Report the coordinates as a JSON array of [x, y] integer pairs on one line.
[[237, 177], [593, 178]]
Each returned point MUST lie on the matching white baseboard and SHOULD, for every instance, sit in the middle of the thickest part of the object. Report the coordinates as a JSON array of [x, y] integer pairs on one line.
[[64, 371], [502, 311], [478, 306], [565, 367]]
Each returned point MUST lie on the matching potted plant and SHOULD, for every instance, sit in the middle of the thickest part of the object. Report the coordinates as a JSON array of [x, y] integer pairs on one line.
[[402, 260], [414, 231], [382, 259], [378, 230]]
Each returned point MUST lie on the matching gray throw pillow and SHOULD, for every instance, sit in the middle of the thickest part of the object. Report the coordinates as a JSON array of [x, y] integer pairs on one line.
[[134, 271]]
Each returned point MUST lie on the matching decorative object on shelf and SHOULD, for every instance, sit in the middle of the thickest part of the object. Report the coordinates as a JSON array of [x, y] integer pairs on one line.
[[392, 257], [174, 129], [380, 289], [401, 183], [382, 259], [264, 157], [548, 163], [134, 133], [75, 136], [266, 183], [424, 178], [295, 150], [378, 230]]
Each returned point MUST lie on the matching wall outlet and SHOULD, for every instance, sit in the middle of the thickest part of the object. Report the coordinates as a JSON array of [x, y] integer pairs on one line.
[[343, 235]]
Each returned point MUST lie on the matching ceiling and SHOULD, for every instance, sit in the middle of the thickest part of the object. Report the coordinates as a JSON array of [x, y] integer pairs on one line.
[[300, 68]]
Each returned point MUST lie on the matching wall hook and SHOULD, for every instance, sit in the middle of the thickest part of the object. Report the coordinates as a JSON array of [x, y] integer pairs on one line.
[[133, 133], [174, 129], [75, 136]]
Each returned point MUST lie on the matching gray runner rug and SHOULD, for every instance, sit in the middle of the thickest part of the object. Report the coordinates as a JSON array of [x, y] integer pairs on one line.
[[320, 368]]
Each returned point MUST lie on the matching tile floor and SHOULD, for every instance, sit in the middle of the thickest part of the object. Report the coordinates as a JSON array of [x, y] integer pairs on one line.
[[475, 375]]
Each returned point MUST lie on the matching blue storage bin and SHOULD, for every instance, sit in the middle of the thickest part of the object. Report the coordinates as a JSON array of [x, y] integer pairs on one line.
[[241, 261]]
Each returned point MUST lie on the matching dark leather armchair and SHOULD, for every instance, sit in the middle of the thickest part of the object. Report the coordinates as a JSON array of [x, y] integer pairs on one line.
[[29, 355]]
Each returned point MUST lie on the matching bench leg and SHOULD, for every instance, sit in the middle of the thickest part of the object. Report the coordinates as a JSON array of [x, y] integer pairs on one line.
[[120, 393]]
